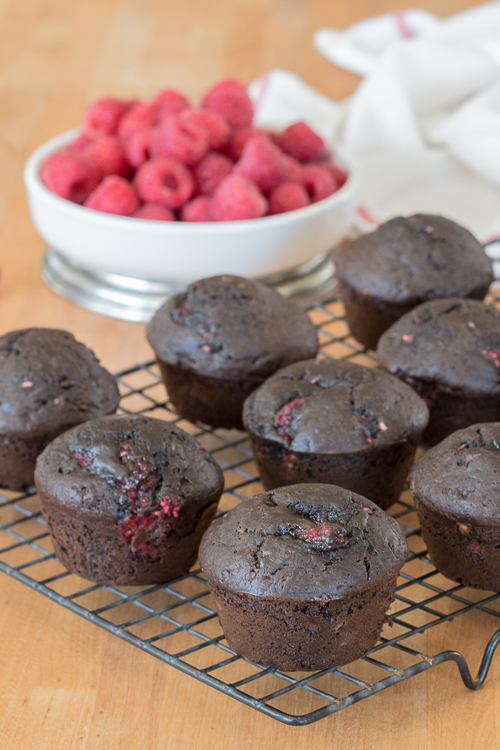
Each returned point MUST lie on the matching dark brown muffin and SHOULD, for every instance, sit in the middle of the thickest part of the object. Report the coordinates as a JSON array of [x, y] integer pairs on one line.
[[448, 350], [456, 486], [221, 339], [338, 422], [127, 499], [302, 577], [406, 261], [49, 382]]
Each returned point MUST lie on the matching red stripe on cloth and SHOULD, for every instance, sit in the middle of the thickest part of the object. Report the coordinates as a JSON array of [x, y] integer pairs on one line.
[[364, 214], [402, 25]]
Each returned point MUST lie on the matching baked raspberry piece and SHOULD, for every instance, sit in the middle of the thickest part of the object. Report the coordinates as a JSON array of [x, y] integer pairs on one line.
[[301, 142], [199, 209], [70, 175], [318, 182], [108, 154], [210, 172], [339, 175], [238, 138], [237, 198], [214, 125], [170, 102], [263, 163], [294, 168], [164, 181], [184, 141], [155, 212], [140, 117], [138, 145], [229, 98], [287, 197], [114, 196], [103, 115]]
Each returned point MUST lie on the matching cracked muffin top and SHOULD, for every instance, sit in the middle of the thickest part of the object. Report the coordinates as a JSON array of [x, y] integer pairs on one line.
[[303, 541], [49, 381], [227, 326], [328, 405], [411, 259], [453, 344]]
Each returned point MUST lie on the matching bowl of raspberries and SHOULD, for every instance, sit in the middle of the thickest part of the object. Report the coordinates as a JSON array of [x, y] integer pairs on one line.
[[167, 191]]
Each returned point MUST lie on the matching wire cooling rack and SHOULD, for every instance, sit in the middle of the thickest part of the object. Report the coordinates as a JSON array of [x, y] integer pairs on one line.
[[176, 622]]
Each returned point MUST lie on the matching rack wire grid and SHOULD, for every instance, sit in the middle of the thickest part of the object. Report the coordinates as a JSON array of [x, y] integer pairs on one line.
[[176, 622]]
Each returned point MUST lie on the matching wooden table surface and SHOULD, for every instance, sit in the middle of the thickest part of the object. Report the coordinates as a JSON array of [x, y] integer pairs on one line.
[[65, 683]]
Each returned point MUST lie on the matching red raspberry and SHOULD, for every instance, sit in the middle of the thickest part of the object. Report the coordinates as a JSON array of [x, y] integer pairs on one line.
[[214, 125], [170, 102], [211, 170], [199, 209], [103, 115], [238, 198], [165, 181], [339, 175], [137, 147], [229, 98], [108, 154], [82, 141], [70, 175], [287, 197], [140, 117], [301, 142], [114, 196], [184, 141], [317, 181], [154, 211], [294, 168], [238, 138], [263, 163]]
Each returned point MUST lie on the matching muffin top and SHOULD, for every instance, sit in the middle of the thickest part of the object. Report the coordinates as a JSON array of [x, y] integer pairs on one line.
[[453, 344], [327, 405], [227, 326], [460, 477], [49, 381], [128, 466], [303, 541], [411, 259]]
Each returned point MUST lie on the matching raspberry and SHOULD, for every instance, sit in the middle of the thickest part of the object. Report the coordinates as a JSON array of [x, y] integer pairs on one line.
[[263, 163], [114, 196], [317, 181], [284, 418], [70, 175], [214, 125], [294, 168], [237, 198], [229, 98], [103, 115], [108, 154], [137, 147], [170, 102], [301, 142], [140, 117], [184, 141], [287, 197], [199, 209], [165, 181], [211, 170], [155, 212], [339, 175], [238, 138], [82, 141]]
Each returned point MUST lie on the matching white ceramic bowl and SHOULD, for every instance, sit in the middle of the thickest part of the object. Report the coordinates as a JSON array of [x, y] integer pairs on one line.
[[180, 253]]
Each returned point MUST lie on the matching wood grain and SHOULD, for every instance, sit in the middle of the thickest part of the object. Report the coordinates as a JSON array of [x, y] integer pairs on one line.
[[65, 683]]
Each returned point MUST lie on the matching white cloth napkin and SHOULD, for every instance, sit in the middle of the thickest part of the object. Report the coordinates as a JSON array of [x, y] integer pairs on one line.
[[423, 124]]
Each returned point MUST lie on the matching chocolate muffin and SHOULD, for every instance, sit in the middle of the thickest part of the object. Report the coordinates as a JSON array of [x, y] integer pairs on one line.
[[406, 261], [49, 382], [127, 499], [448, 350], [302, 577], [220, 340], [336, 422], [456, 486]]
